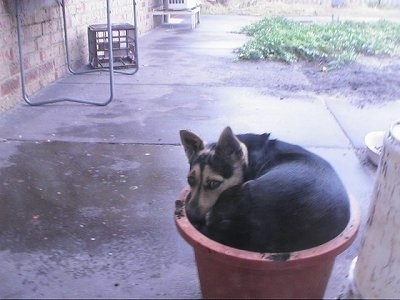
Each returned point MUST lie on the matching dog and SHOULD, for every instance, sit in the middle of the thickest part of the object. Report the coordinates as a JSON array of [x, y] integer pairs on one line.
[[254, 193]]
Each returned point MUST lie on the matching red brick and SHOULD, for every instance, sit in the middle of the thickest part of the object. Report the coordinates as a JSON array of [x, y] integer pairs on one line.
[[10, 86], [14, 68], [31, 75]]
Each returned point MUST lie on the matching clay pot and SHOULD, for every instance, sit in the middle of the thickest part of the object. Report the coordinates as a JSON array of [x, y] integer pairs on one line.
[[226, 272]]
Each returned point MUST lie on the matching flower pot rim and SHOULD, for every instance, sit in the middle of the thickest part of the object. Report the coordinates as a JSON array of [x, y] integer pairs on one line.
[[330, 249]]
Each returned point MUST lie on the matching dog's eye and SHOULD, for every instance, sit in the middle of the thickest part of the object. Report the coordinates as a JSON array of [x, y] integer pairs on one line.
[[191, 181], [213, 184]]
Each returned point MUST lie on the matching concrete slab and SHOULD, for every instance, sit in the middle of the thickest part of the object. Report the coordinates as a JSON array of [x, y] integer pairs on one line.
[[138, 112], [358, 121], [88, 223], [87, 193]]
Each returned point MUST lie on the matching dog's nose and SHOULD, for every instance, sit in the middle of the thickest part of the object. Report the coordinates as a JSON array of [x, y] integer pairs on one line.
[[194, 216]]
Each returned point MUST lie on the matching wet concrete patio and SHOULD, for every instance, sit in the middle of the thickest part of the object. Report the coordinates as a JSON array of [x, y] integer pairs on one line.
[[87, 193]]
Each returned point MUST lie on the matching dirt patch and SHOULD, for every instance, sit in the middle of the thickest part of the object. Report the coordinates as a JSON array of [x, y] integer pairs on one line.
[[369, 80], [179, 209]]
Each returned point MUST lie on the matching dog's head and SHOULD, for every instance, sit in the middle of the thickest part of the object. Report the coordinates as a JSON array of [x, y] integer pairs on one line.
[[214, 168]]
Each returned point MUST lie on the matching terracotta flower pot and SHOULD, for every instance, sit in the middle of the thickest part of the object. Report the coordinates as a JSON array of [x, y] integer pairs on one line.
[[226, 272]]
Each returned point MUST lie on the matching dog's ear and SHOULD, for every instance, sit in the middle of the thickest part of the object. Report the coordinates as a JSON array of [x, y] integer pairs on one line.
[[192, 143], [229, 145]]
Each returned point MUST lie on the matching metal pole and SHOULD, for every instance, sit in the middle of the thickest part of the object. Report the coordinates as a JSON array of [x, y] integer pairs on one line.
[[20, 52], [110, 47], [136, 37]]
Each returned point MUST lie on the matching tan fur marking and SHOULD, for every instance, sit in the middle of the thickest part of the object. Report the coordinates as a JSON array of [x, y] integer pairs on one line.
[[245, 153], [206, 198]]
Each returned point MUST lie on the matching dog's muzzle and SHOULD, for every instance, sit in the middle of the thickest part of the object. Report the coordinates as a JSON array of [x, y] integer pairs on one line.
[[194, 215]]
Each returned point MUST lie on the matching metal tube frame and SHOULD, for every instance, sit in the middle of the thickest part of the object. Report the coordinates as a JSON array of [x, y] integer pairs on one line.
[[110, 69], [136, 56]]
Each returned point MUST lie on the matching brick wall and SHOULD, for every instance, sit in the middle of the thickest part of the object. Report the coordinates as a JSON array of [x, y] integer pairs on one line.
[[43, 44]]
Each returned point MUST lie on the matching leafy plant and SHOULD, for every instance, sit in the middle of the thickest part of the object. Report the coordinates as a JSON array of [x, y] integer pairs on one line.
[[334, 44]]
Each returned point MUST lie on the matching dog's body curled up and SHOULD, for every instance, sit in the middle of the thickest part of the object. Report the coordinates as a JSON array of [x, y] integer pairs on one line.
[[254, 193]]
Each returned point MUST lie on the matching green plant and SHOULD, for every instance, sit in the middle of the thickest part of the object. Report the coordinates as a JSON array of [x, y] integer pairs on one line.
[[335, 43]]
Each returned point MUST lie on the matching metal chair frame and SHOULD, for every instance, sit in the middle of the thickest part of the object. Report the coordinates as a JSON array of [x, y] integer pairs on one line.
[[110, 69]]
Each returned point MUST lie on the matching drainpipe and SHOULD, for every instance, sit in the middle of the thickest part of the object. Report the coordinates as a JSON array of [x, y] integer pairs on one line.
[[377, 267]]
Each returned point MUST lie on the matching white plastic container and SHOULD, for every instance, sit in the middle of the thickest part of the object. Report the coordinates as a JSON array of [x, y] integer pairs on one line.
[[374, 143]]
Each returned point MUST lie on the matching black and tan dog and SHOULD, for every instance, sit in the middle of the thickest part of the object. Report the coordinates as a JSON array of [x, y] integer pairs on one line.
[[260, 194]]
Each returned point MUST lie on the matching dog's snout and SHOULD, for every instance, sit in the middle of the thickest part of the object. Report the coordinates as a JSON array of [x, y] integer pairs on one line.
[[194, 215]]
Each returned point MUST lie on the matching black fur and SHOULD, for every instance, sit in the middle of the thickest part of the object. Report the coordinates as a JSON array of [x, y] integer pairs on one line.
[[291, 200]]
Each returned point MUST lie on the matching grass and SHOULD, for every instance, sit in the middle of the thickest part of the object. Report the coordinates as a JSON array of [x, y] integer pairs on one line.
[[334, 44]]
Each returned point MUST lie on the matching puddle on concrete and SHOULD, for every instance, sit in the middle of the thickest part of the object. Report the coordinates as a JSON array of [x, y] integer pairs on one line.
[[75, 196]]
